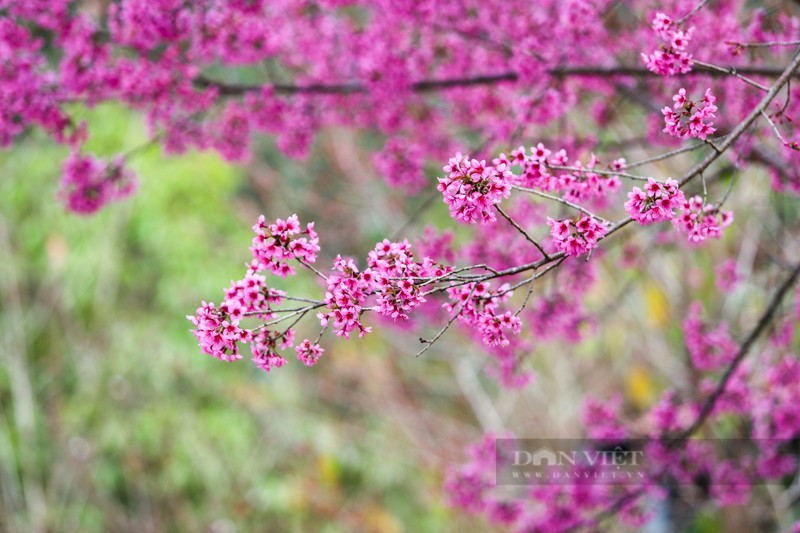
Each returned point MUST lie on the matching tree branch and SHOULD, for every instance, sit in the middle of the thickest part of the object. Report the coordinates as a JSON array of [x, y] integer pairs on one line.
[[232, 89], [746, 123], [766, 318]]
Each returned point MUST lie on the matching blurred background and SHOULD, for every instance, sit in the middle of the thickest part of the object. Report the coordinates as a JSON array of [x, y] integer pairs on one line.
[[111, 419]]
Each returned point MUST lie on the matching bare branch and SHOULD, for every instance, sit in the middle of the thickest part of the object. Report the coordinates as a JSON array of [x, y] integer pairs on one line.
[[561, 201], [522, 231], [692, 13], [774, 127], [667, 155], [733, 72], [767, 44], [429, 343], [345, 88], [766, 318], [600, 172]]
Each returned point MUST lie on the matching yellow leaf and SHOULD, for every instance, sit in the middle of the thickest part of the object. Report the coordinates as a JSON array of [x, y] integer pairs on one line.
[[381, 521], [329, 471], [657, 305], [640, 388]]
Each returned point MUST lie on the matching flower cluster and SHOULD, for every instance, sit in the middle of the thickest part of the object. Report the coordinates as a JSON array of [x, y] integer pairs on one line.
[[671, 58], [535, 171], [576, 236], [726, 276], [560, 316], [690, 118], [472, 187], [276, 244], [251, 297], [308, 353], [539, 170], [400, 163], [218, 329], [217, 335], [396, 277], [776, 418], [478, 305], [708, 348], [701, 221], [584, 185], [348, 290], [264, 348], [656, 203], [88, 183], [761, 409], [392, 275], [550, 507], [470, 486], [154, 57]]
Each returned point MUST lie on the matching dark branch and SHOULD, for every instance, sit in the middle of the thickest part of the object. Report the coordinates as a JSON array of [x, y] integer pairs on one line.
[[231, 89], [763, 322]]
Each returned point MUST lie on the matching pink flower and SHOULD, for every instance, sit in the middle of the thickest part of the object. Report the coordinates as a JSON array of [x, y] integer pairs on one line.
[[393, 274], [709, 349], [276, 244], [308, 353], [576, 236], [656, 203], [726, 276], [471, 188], [693, 119], [701, 221], [679, 99], [88, 183], [347, 291], [672, 57]]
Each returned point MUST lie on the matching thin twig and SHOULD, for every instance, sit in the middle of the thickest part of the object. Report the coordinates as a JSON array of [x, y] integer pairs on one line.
[[298, 299], [429, 343], [321, 332], [302, 311], [728, 192], [766, 44], [691, 13], [273, 311], [527, 295], [774, 127], [522, 231], [561, 201], [733, 72], [600, 172], [667, 155], [428, 281], [308, 266], [416, 214], [290, 326]]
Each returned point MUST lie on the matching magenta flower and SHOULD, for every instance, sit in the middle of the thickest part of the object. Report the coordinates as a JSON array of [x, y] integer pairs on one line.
[[689, 118], [578, 236], [656, 203], [471, 188], [672, 58]]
